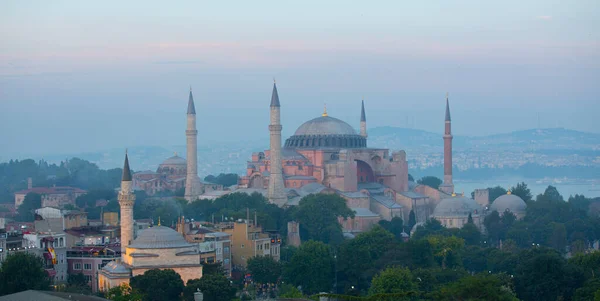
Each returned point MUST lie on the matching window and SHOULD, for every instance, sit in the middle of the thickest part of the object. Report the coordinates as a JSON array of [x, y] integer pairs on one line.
[[88, 278], [267, 246], [242, 246], [211, 260], [99, 266], [87, 266], [226, 250], [226, 261], [77, 266]]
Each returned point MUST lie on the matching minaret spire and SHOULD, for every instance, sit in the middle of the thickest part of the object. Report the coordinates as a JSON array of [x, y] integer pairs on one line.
[[126, 201], [363, 119], [448, 185], [193, 186], [276, 192]]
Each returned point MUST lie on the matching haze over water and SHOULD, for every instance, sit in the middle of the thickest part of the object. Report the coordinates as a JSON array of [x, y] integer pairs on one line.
[[83, 76]]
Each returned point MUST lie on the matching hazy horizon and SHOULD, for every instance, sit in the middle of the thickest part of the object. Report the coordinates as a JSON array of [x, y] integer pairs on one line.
[[78, 77]]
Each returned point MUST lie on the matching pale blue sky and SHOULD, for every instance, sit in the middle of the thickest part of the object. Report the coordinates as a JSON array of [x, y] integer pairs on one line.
[[81, 75]]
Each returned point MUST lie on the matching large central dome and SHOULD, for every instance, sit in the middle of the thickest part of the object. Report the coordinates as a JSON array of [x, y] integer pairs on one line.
[[325, 131], [325, 125]]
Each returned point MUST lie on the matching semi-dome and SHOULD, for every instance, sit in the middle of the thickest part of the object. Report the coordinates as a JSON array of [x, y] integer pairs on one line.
[[159, 237], [325, 125], [510, 202], [325, 131], [457, 206], [175, 160]]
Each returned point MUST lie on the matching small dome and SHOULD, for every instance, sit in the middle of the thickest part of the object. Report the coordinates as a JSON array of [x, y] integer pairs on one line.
[[116, 267], [458, 206], [159, 237], [175, 160], [509, 202], [325, 125]]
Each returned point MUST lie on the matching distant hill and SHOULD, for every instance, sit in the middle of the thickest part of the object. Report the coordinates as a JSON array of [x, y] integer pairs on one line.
[[530, 140]]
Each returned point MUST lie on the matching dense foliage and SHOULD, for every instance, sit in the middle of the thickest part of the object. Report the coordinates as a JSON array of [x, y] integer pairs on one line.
[[157, 285], [22, 271], [225, 179]]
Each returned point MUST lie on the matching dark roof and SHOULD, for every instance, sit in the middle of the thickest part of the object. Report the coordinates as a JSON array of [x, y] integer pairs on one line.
[[48, 296], [191, 108], [275, 97], [447, 109], [363, 117], [126, 171]]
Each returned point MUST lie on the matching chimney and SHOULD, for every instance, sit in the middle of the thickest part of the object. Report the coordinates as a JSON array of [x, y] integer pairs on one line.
[[29, 183], [247, 215], [254, 218]]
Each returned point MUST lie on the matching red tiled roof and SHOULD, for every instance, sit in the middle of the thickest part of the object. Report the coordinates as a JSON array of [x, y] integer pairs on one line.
[[52, 190]]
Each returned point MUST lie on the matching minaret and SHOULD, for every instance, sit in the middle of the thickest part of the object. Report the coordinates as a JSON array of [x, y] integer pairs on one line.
[[126, 202], [276, 187], [363, 120], [447, 186], [193, 186]]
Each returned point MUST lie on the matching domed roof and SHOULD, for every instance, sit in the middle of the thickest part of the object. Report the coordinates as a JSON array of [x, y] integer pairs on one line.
[[175, 160], [509, 202], [116, 267], [325, 125], [159, 237], [456, 206]]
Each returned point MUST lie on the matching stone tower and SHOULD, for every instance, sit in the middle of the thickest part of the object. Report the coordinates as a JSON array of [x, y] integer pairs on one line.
[[363, 120], [276, 188], [193, 186], [447, 186], [126, 202]]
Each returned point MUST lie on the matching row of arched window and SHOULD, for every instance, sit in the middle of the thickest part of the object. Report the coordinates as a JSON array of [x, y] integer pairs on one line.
[[326, 141]]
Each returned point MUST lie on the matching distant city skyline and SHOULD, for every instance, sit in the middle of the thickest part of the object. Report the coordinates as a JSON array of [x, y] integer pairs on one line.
[[90, 76]]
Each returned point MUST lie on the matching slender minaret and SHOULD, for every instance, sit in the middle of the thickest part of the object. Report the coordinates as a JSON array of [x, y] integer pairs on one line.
[[126, 202], [193, 186], [447, 186], [363, 120], [276, 188]]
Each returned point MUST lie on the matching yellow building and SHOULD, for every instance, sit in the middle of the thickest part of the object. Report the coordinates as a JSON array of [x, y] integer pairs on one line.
[[248, 241], [110, 219], [155, 248]]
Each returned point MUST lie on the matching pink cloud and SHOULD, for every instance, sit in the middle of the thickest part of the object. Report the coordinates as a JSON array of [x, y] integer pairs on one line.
[[545, 18]]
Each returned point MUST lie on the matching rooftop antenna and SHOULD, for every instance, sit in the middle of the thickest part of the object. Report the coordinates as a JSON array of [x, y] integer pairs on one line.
[[324, 110]]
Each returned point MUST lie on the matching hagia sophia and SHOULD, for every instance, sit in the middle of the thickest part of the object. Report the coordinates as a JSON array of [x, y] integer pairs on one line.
[[325, 155]]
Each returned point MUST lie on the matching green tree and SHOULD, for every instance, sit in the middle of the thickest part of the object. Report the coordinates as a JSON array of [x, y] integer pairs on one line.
[[470, 233], [264, 269], [311, 267], [522, 191], [470, 219], [356, 258], [290, 291], [543, 274], [157, 285], [495, 192], [395, 226], [318, 217], [478, 287], [123, 293], [22, 271], [223, 179], [26, 212], [558, 239], [393, 280], [214, 287], [89, 199], [412, 220], [431, 181], [588, 290], [77, 279], [410, 178]]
